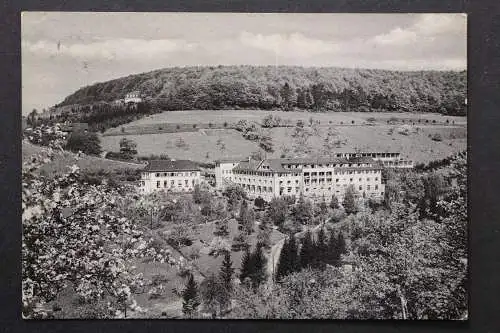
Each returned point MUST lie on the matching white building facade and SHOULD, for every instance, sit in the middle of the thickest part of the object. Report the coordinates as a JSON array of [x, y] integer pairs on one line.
[[133, 97], [224, 172], [312, 178], [169, 175]]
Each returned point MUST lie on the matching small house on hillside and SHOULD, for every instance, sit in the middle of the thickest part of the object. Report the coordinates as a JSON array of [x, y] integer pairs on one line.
[[133, 97]]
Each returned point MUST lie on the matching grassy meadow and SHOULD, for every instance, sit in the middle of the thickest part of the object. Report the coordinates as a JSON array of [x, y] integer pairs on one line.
[[369, 132], [63, 163]]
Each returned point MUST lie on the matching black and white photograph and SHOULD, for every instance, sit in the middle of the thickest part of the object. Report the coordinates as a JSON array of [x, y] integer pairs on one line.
[[189, 165]]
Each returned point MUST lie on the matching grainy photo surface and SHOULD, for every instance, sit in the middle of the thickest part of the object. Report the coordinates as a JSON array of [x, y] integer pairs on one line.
[[244, 166]]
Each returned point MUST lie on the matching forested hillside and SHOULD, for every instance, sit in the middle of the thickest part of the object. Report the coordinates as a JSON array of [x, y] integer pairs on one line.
[[316, 89]]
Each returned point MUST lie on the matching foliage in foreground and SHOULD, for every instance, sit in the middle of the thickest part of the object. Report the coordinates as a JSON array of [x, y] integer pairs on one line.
[[408, 262], [77, 235]]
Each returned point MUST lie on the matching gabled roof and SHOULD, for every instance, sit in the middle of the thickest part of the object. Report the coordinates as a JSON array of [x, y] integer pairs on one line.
[[171, 165], [250, 165]]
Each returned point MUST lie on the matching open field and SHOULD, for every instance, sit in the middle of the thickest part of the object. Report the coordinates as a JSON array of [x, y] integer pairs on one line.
[[233, 116], [201, 145]]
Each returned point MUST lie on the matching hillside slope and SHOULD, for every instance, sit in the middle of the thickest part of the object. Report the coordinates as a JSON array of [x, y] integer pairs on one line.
[[284, 87], [63, 162]]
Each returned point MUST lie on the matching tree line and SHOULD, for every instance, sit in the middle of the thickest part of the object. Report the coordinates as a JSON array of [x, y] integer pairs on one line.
[[288, 88]]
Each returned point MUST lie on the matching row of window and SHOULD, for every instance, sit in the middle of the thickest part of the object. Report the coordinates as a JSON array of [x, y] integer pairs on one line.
[[360, 187], [265, 174], [180, 183], [319, 166], [251, 180], [350, 172], [289, 181], [329, 180], [368, 188], [289, 190], [175, 174], [254, 188]]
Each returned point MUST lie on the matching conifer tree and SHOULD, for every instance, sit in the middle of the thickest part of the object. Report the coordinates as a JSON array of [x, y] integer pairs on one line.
[[258, 274], [334, 203], [243, 211], [249, 222], [349, 201], [323, 208], [341, 246], [288, 260], [307, 251], [190, 300], [246, 218], [246, 265], [294, 254], [285, 264], [321, 250], [226, 271], [264, 235], [302, 211], [333, 256]]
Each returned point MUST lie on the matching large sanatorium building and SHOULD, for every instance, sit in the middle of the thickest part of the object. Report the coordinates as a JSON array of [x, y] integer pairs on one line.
[[271, 178], [310, 177]]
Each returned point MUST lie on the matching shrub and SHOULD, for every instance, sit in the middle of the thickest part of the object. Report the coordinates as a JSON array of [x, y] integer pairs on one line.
[[88, 143], [259, 203], [218, 246], [437, 137], [194, 125]]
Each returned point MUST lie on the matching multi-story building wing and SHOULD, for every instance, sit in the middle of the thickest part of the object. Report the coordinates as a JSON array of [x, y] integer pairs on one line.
[[170, 175], [224, 172], [311, 177]]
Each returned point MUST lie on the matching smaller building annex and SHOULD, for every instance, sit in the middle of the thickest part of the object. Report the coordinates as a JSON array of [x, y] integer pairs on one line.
[[170, 175]]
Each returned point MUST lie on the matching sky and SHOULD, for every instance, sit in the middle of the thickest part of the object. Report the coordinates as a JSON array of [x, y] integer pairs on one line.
[[64, 51]]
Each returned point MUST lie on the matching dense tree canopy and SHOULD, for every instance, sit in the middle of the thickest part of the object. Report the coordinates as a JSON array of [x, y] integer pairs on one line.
[[322, 89]]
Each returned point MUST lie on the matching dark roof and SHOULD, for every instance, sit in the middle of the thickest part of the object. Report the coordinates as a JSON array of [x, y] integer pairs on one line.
[[230, 160], [276, 164], [248, 165], [171, 165], [306, 160], [361, 159]]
